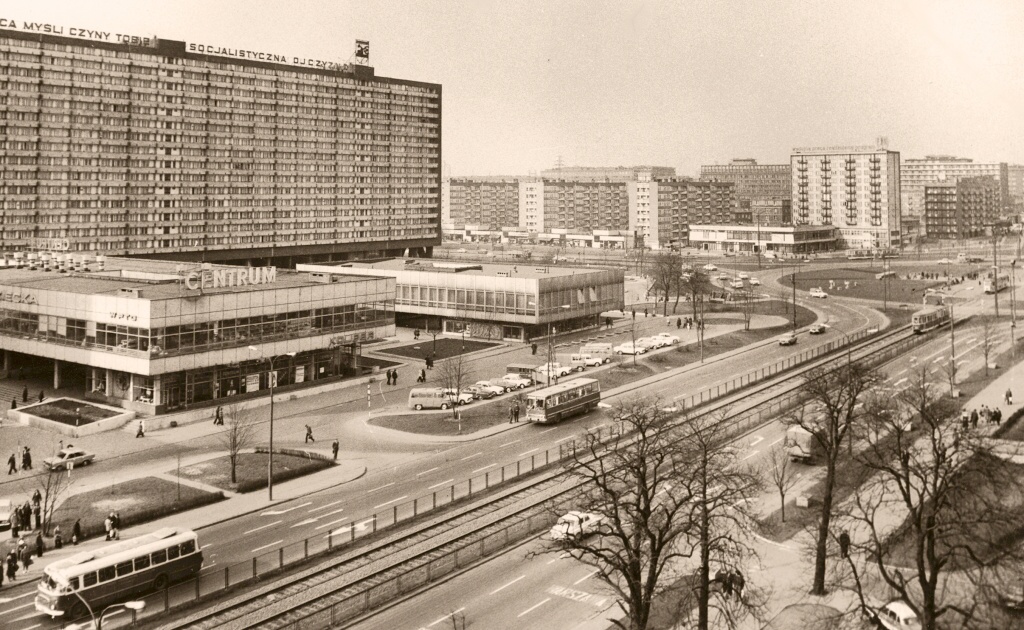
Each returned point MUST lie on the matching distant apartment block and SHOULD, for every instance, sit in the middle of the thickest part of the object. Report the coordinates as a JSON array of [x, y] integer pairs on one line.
[[771, 212], [753, 181], [486, 201], [962, 209], [681, 201], [854, 188], [916, 174], [613, 174]]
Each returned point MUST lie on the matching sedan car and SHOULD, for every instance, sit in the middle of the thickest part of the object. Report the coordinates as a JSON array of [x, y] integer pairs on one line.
[[651, 343], [897, 615], [818, 293], [464, 398], [69, 458], [755, 282], [945, 261], [817, 329], [512, 381], [742, 276], [710, 267], [575, 525], [629, 348], [497, 390], [788, 340], [736, 284], [479, 392], [669, 339]]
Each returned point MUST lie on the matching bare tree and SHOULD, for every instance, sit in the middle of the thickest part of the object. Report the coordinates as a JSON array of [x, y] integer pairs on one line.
[[454, 376], [779, 471], [666, 269], [239, 433], [697, 284], [937, 520], [988, 341], [833, 395], [52, 488]]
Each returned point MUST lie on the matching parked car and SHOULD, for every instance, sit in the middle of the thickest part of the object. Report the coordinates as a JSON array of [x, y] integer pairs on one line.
[[555, 368], [69, 457], [651, 343], [575, 525], [736, 284], [669, 339], [897, 615], [816, 292], [464, 397], [629, 348], [580, 361], [742, 276], [724, 277], [755, 282], [945, 261], [788, 340], [512, 381], [497, 389], [5, 514], [710, 267], [817, 329]]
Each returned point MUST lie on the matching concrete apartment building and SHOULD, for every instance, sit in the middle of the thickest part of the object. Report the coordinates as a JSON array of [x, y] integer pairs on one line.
[[681, 201], [917, 173], [760, 185], [853, 188], [192, 152], [963, 208], [491, 202]]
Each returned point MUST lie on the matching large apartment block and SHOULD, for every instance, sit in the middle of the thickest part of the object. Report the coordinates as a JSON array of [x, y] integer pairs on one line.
[[939, 169], [962, 209], [854, 188], [585, 206], [753, 181], [681, 202], [179, 150], [489, 202]]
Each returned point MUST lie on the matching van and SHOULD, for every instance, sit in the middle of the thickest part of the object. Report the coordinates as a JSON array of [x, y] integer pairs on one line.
[[428, 398], [597, 349], [522, 369], [580, 361]]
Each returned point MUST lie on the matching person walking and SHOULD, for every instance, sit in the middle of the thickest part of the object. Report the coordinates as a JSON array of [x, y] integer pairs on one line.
[[39, 545], [108, 526], [997, 416], [515, 408], [116, 520], [76, 532], [394, 377], [334, 449], [14, 403], [58, 540], [1008, 397], [142, 429], [309, 435], [26, 459], [422, 378], [24, 394], [36, 497], [679, 323], [37, 513], [511, 414], [844, 544], [388, 374], [533, 348], [218, 416], [12, 566], [41, 396], [12, 464]]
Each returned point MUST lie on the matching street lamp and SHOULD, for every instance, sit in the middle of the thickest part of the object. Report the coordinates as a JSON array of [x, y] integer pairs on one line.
[[97, 624], [272, 380]]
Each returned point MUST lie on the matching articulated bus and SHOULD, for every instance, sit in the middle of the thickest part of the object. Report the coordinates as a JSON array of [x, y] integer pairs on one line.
[[118, 572], [555, 403], [997, 284], [930, 318]]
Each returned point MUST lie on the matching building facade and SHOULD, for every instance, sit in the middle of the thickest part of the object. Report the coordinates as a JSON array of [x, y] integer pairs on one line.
[[487, 301], [608, 173], [772, 212], [781, 240], [681, 201], [753, 181], [940, 169], [153, 336], [484, 201], [856, 189], [187, 151], [962, 209], [585, 205]]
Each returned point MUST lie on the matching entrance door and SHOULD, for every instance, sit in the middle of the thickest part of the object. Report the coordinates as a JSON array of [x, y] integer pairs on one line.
[[512, 332]]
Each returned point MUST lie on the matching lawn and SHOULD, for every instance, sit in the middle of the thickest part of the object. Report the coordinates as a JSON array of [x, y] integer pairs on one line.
[[444, 347], [863, 284], [251, 470], [136, 501], [66, 411]]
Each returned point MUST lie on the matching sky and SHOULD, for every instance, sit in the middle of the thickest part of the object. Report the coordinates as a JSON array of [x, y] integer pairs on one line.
[[682, 83]]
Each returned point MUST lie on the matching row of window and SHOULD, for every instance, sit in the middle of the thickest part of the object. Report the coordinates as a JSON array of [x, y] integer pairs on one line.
[[106, 574]]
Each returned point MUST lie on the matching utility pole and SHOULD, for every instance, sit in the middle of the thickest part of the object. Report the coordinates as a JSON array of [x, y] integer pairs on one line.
[[995, 271], [548, 370], [952, 354], [1013, 307], [794, 300]]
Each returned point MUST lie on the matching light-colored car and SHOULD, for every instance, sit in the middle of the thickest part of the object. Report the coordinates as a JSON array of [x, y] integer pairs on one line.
[[556, 369], [464, 397], [651, 343], [480, 392], [736, 284], [629, 348], [724, 277], [669, 339], [817, 329], [897, 615], [816, 292], [945, 261], [580, 361], [497, 390], [755, 282], [5, 514], [575, 525], [710, 267], [788, 340], [742, 276], [69, 457], [512, 381]]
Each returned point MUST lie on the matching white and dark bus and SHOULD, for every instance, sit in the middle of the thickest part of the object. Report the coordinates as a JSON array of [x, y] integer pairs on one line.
[[117, 572], [555, 403]]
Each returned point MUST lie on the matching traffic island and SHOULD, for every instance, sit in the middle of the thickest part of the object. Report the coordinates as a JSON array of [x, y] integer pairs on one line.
[[251, 469], [72, 417], [472, 419], [440, 348]]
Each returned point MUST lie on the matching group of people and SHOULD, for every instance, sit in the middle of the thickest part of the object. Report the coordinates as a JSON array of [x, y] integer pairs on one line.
[[688, 323], [21, 517], [986, 414], [24, 398], [731, 582], [513, 412], [392, 377], [20, 558], [112, 525], [26, 461]]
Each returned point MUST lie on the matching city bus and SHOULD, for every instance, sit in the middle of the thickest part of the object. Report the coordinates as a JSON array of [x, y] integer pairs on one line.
[[997, 284], [118, 572], [930, 318], [555, 403]]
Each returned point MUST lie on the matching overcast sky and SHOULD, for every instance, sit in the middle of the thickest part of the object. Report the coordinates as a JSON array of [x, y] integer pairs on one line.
[[679, 83]]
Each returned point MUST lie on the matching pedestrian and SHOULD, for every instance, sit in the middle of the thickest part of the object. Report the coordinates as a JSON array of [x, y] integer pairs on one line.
[[60, 446], [511, 414], [76, 532], [608, 322], [422, 378], [26, 459], [727, 584], [58, 540], [14, 403], [39, 545], [41, 396], [394, 377], [964, 420], [309, 435], [36, 497], [334, 449], [37, 512], [108, 525], [634, 313], [645, 312], [218, 416], [12, 566], [844, 544], [430, 362], [737, 584], [533, 348], [142, 429], [515, 408], [1008, 397], [24, 394], [974, 418], [15, 522], [116, 519], [997, 416], [12, 464], [389, 377], [679, 323], [426, 362]]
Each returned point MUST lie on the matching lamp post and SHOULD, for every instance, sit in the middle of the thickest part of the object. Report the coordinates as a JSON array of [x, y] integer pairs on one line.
[[272, 380], [97, 624]]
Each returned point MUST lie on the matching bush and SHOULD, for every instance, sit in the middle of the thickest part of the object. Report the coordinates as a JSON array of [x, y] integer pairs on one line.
[[315, 465]]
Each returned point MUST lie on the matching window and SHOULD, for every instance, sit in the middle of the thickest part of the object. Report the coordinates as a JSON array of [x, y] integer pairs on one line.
[[124, 568], [106, 574], [172, 553], [88, 579], [141, 563]]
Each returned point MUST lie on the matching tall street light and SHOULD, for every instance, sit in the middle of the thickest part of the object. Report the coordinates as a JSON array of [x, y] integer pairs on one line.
[[272, 380], [97, 624]]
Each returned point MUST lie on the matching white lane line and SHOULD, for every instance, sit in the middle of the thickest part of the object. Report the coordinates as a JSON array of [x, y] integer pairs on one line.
[[305, 522], [510, 443], [937, 359], [338, 511], [279, 512], [446, 617], [483, 469], [438, 485], [534, 607], [751, 455], [387, 485], [262, 527], [900, 382], [546, 430], [757, 441], [777, 441], [528, 452], [30, 604], [276, 542], [585, 578], [332, 523], [471, 456], [426, 471], [4, 600], [203, 548], [564, 439], [324, 507], [501, 588], [377, 507], [553, 560]]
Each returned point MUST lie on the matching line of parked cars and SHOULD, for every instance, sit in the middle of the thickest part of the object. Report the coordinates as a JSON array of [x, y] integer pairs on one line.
[[647, 344]]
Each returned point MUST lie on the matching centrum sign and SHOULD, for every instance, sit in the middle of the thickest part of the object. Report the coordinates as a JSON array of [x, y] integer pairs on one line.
[[241, 277], [50, 244]]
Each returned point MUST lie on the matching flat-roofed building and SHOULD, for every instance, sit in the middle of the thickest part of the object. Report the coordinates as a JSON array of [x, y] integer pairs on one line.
[[493, 301], [748, 239], [962, 209], [917, 173], [682, 201], [753, 181]]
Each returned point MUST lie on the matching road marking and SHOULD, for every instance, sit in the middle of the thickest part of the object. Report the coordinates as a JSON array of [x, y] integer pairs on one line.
[[279, 512], [437, 485], [263, 527], [757, 440], [206, 546], [777, 441], [605, 405], [4, 600], [377, 507], [324, 507], [20, 607], [446, 617], [483, 469], [471, 456], [427, 471], [553, 560], [585, 578], [534, 607], [277, 542], [564, 439], [749, 456], [546, 430], [387, 485], [501, 588], [509, 443], [305, 522], [330, 513], [899, 382], [332, 523], [528, 452]]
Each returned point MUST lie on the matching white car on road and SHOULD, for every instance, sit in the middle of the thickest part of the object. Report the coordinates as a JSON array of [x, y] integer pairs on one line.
[[816, 292], [743, 276], [556, 369], [755, 282], [710, 267], [629, 348], [651, 343], [575, 525], [669, 339], [512, 381], [496, 390], [464, 397]]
